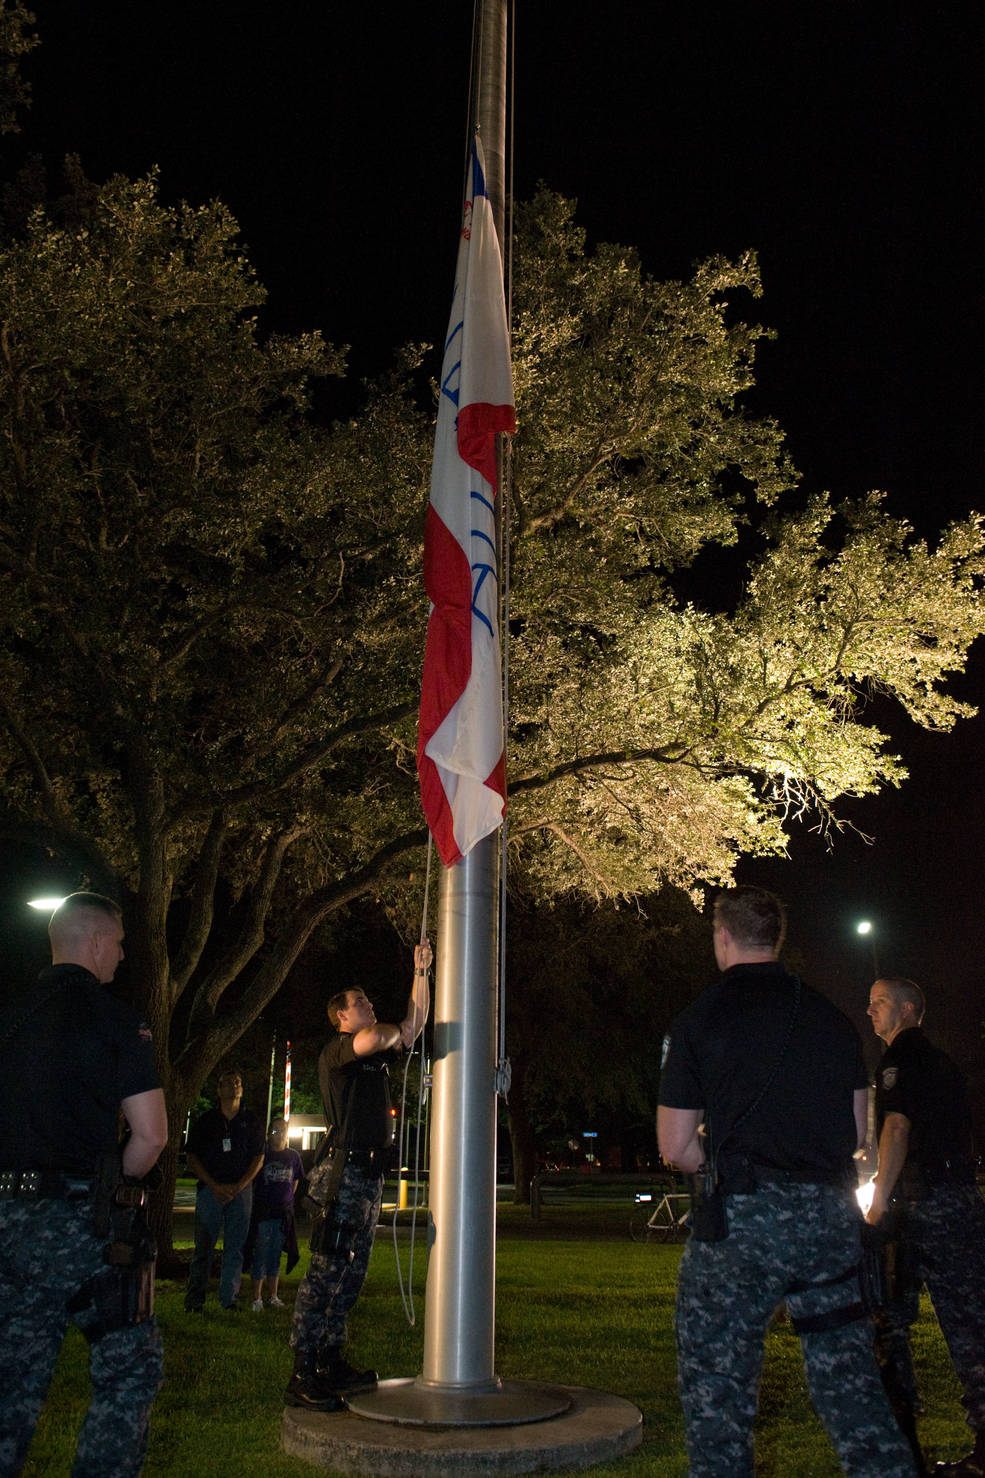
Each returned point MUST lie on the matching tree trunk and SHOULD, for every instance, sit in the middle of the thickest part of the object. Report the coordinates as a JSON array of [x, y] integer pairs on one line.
[[521, 1136], [162, 1201]]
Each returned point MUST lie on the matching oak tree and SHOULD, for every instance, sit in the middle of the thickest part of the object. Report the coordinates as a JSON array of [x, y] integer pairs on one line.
[[211, 617]]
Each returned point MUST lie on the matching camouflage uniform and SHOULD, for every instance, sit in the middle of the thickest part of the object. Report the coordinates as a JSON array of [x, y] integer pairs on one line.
[[946, 1233], [334, 1279], [800, 1243], [47, 1252], [943, 1215]]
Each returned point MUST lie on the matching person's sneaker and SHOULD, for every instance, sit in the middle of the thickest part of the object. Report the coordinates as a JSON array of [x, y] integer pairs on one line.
[[307, 1390], [336, 1372], [257, 1306], [230, 1308], [277, 1303]]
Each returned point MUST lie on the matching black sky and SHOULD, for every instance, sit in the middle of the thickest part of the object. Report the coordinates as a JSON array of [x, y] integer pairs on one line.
[[842, 141]]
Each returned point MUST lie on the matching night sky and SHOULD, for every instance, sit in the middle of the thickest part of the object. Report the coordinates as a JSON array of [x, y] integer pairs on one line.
[[844, 142]]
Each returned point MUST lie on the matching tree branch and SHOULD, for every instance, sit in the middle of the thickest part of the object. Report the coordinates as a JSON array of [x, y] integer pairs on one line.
[[202, 901], [308, 757], [249, 932], [205, 1048], [673, 755]]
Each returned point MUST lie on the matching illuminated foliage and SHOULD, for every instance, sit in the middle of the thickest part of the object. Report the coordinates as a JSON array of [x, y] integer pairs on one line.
[[16, 40], [211, 617]]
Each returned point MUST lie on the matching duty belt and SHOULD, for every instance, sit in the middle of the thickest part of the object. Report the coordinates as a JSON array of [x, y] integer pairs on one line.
[[361, 1159], [770, 1175], [49, 1184]]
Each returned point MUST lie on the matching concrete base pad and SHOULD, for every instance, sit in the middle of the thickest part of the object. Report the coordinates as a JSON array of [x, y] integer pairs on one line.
[[594, 1428], [412, 1403]]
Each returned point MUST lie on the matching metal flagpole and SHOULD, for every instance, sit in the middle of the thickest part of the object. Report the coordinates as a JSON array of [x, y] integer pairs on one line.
[[459, 1322], [461, 1288], [458, 1384]]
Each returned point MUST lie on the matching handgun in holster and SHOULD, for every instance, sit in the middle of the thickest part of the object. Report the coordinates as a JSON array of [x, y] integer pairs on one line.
[[122, 1293]]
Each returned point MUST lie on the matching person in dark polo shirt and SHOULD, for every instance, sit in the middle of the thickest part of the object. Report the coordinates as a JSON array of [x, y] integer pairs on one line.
[[75, 1060], [225, 1151], [347, 1184], [927, 1176], [763, 1098]]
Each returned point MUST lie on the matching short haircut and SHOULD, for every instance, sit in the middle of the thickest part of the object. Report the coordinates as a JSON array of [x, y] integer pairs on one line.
[[338, 1002], [753, 916], [906, 992], [228, 1072], [71, 914]]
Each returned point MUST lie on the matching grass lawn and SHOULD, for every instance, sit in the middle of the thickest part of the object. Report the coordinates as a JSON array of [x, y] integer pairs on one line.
[[578, 1303]]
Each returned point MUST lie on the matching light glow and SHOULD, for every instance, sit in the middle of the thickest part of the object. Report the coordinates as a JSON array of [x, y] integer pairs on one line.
[[45, 905], [864, 1195]]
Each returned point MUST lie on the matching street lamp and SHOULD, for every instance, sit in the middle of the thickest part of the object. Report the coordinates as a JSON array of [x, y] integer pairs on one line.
[[865, 927]]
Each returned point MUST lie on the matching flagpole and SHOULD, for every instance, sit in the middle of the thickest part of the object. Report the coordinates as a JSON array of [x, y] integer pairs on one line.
[[459, 1320], [458, 1382], [458, 1386]]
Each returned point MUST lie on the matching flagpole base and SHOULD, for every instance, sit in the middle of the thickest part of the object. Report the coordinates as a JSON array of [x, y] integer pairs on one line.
[[498, 1403], [593, 1427]]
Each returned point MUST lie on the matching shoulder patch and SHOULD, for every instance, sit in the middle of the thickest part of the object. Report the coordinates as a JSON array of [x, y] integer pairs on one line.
[[889, 1076], [665, 1049]]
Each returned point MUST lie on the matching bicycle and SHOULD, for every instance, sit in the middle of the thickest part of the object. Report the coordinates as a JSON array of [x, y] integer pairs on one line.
[[669, 1218]]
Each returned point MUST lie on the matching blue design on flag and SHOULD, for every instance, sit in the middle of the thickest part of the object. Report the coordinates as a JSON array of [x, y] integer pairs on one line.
[[460, 756]]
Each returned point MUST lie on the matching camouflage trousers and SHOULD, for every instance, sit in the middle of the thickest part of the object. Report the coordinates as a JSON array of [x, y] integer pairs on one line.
[[334, 1280], [946, 1236], [47, 1252], [793, 1243]]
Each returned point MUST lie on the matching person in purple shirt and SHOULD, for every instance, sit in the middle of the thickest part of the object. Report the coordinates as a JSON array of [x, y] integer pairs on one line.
[[274, 1214]]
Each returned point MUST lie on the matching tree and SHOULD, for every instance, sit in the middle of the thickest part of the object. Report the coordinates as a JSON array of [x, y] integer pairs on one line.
[[192, 596], [16, 40], [212, 620], [591, 996], [656, 736]]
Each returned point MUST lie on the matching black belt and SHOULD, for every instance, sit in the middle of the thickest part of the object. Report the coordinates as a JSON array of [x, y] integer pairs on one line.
[[361, 1159], [770, 1175], [52, 1185]]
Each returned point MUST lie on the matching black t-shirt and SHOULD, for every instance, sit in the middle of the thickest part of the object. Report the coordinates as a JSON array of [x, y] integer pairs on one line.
[[917, 1079], [66, 1069], [356, 1095], [226, 1146], [724, 1048]]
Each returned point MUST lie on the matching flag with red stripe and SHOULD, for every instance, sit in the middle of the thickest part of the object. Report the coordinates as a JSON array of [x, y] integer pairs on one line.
[[460, 757]]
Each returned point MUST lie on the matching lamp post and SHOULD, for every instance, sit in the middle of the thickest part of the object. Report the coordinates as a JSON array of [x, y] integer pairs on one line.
[[865, 928]]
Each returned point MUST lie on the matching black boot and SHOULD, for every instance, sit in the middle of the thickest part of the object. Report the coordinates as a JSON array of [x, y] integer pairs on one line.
[[335, 1372], [307, 1389], [972, 1466]]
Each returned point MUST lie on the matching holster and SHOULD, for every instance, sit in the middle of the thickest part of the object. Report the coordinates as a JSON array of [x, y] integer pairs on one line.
[[108, 1176], [709, 1216], [329, 1236], [122, 1293], [885, 1270]]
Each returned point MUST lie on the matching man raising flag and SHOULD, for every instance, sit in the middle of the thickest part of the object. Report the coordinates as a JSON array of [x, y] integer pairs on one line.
[[460, 752]]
